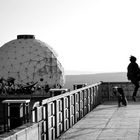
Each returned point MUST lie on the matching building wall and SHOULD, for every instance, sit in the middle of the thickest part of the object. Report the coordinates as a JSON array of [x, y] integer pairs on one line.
[[107, 90]]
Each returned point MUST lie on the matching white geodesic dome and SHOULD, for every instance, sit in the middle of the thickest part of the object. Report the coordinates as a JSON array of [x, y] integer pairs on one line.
[[29, 60]]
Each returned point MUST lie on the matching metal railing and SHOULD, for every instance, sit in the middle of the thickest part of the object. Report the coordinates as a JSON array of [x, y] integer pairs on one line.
[[16, 113], [58, 114]]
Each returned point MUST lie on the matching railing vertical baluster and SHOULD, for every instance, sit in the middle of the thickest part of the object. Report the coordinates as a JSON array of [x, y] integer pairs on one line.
[[43, 135], [56, 118], [83, 102], [75, 117], [72, 109], [92, 89], [88, 100], [96, 96], [47, 121], [8, 117], [80, 105], [91, 96], [63, 113], [66, 113], [69, 103], [94, 92]]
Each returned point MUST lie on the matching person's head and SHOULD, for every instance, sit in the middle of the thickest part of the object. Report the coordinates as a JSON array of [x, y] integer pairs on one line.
[[133, 58]]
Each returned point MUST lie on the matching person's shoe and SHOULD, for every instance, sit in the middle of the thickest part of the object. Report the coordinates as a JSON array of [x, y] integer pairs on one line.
[[134, 98]]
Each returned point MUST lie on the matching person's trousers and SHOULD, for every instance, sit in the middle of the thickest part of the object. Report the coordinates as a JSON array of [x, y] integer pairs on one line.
[[136, 84]]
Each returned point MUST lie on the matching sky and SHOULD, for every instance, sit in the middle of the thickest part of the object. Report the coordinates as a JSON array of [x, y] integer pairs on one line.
[[89, 36]]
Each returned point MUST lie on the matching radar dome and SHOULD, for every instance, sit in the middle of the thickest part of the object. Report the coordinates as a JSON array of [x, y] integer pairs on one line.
[[27, 59]]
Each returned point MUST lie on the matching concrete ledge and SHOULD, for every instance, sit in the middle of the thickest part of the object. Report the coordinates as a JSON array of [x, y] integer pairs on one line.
[[27, 131]]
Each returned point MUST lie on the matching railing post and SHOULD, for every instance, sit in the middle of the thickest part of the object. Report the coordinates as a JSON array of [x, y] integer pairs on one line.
[[69, 110], [56, 118], [43, 123], [88, 100], [72, 110], [92, 98], [75, 107], [50, 113], [63, 117], [93, 92], [81, 104], [47, 121], [66, 113]]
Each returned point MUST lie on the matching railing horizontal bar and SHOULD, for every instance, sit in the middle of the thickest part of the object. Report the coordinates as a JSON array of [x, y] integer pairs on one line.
[[45, 101]]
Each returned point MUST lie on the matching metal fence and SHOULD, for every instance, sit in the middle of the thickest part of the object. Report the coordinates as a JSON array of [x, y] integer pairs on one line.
[[57, 114]]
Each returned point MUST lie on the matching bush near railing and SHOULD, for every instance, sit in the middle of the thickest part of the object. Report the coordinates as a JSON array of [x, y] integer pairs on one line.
[[58, 114]]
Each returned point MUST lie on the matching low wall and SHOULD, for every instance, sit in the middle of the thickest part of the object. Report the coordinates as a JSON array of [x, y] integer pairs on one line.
[[107, 90], [28, 131]]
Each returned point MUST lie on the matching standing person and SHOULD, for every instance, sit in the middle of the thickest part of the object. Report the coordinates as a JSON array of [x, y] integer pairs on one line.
[[133, 74]]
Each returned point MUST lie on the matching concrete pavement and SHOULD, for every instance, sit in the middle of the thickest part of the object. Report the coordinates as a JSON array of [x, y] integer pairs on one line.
[[107, 122]]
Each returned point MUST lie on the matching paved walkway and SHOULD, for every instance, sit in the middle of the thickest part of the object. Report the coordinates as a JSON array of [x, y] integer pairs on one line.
[[108, 122]]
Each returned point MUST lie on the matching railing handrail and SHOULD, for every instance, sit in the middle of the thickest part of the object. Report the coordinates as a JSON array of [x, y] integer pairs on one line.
[[45, 101]]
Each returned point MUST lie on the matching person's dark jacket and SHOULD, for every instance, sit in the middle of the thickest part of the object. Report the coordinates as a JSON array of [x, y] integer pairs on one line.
[[133, 71]]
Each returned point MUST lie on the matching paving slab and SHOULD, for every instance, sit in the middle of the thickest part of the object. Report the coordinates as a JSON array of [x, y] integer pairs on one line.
[[107, 122]]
